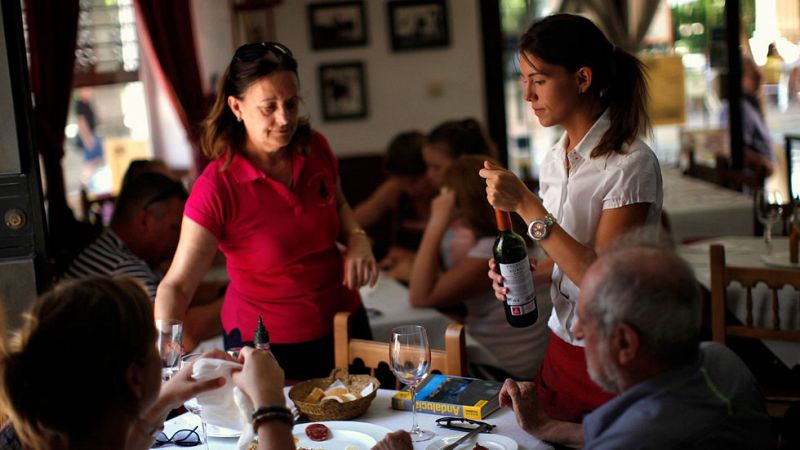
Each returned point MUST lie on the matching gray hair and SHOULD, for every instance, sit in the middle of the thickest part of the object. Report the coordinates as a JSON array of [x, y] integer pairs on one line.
[[654, 291]]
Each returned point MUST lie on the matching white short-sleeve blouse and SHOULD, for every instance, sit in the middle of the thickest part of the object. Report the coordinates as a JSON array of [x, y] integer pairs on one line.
[[578, 198]]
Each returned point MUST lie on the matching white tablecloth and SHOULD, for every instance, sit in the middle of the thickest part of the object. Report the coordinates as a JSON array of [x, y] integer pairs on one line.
[[380, 413], [387, 303], [698, 209], [749, 252]]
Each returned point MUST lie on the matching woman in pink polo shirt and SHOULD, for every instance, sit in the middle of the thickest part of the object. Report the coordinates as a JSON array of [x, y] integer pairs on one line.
[[271, 201]]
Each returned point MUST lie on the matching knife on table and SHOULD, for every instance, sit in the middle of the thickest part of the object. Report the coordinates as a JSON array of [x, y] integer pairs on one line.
[[473, 433]]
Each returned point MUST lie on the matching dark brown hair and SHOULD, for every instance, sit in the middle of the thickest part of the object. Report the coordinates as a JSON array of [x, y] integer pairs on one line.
[[142, 191], [463, 137], [618, 78], [221, 132], [404, 156], [66, 368]]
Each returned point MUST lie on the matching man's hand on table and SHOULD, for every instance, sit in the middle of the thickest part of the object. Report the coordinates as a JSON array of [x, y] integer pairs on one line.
[[521, 397]]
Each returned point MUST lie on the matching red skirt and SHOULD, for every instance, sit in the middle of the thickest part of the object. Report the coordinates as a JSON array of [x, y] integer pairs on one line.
[[565, 390]]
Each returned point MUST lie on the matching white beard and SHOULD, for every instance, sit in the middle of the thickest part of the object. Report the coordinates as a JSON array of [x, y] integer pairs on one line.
[[608, 377]]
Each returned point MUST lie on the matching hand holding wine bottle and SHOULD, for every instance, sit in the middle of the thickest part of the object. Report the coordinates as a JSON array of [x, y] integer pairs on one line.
[[511, 256]]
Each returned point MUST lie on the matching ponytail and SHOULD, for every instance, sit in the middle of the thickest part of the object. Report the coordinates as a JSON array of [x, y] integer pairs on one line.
[[626, 98]]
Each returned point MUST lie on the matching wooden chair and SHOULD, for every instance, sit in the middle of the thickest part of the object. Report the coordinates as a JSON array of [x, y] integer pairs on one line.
[[781, 388], [775, 279], [450, 361]]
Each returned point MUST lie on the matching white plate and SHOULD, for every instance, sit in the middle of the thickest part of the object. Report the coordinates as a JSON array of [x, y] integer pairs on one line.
[[779, 260], [490, 441], [343, 435], [222, 432]]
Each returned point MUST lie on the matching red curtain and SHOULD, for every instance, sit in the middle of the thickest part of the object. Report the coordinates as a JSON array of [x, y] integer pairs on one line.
[[52, 32], [168, 41]]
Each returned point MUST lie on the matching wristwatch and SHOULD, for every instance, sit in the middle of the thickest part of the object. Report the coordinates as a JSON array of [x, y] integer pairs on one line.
[[540, 228]]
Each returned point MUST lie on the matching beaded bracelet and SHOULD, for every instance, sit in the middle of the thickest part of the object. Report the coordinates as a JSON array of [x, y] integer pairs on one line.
[[274, 412]]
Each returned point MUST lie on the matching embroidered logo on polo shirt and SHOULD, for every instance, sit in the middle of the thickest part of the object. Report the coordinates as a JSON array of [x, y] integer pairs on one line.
[[323, 191], [321, 188]]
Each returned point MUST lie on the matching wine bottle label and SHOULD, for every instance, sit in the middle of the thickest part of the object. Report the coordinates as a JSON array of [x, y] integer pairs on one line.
[[518, 279]]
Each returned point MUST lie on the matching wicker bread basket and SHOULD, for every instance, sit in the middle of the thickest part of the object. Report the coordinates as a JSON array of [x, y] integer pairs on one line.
[[333, 410]]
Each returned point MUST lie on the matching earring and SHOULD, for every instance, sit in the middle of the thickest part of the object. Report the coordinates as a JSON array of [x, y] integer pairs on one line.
[[238, 118]]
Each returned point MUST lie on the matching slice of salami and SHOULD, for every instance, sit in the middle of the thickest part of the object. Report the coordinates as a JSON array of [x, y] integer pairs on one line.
[[317, 432]]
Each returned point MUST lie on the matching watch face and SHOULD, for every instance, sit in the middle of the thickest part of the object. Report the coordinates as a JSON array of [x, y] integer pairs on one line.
[[538, 229]]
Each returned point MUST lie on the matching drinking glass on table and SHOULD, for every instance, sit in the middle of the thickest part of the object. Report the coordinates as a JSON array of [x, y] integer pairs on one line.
[[169, 336], [192, 405], [769, 209], [410, 358]]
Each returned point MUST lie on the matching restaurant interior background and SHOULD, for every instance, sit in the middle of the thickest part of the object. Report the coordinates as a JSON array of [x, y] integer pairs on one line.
[[418, 88], [403, 65]]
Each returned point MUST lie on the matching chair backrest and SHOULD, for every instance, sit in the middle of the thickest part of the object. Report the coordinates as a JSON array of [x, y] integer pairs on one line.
[[450, 361], [748, 277]]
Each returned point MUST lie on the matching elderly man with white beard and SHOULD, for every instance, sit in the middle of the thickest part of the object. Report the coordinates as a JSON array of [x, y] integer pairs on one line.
[[639, 315]]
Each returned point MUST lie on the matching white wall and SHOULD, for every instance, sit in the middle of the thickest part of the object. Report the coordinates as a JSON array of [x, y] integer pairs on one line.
[[398, 84], [213, 38]]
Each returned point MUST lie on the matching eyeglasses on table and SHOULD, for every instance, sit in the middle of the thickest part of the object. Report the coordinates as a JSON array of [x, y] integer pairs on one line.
[[181, 438]]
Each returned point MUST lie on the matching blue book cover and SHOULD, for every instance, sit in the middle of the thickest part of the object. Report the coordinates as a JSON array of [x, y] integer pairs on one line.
[[470, 398]]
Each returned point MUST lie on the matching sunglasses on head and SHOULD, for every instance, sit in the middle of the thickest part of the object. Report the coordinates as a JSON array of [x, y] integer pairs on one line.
[[181, 438], [251, 52]]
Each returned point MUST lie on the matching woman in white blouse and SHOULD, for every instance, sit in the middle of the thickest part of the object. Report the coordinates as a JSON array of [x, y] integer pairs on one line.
[[599, 181]]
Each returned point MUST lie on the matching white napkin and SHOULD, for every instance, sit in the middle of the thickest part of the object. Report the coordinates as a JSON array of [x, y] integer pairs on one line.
[[226, 406]]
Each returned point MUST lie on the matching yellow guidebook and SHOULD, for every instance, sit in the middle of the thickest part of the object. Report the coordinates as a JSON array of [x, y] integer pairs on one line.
[[452, 396]]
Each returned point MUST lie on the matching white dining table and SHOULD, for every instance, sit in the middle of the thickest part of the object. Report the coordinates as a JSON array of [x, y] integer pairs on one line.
[[380, 413], [751, 251], [699, 209], [387, 306]]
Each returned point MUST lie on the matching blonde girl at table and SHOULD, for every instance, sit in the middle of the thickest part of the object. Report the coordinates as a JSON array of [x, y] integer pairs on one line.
[[443, 145], [598, 181], [272, 202], [506, 352]]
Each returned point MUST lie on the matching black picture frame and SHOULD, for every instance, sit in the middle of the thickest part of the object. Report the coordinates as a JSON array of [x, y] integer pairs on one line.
[[337, 24], [343, 94], [418, 24]]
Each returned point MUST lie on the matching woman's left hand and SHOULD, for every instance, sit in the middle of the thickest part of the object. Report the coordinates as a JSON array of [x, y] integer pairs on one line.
[[360, 267]]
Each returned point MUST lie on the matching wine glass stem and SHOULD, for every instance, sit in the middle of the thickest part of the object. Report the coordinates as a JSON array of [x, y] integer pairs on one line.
[[205, 431], [768, 236], [414, 427]]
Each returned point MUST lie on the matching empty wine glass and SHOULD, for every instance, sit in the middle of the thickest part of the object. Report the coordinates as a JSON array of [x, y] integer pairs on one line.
[[410, 357], [192, 405], [169, 335], [769, 209]]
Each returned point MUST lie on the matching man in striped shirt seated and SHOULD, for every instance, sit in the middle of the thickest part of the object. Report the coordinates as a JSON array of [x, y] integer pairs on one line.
[[141, 238]]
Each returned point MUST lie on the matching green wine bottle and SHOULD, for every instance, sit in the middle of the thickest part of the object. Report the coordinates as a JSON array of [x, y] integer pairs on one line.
[[261, 337], [511, 256]]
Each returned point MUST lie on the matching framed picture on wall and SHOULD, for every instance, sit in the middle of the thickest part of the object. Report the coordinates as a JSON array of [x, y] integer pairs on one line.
[[415, 24], [337, 24], [342, 91], [252, 21]]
